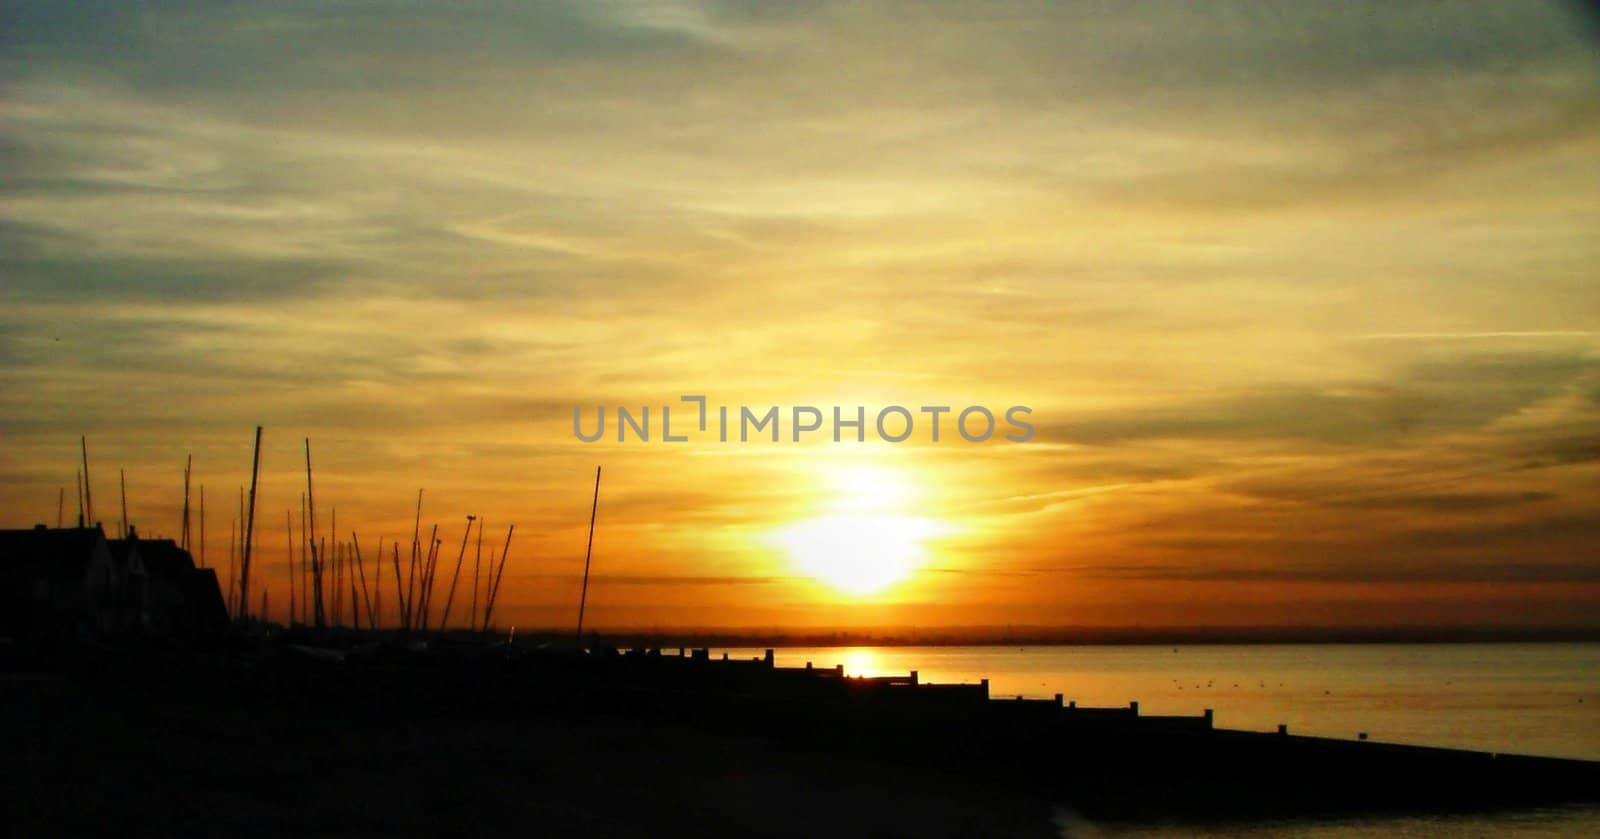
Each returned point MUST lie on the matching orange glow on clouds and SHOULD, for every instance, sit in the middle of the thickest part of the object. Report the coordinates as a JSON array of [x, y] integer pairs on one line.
[[1303, 303]]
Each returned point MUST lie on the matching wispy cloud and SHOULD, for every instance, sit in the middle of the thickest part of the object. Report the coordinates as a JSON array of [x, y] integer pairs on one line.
[[1477, 336], [1309, 269]]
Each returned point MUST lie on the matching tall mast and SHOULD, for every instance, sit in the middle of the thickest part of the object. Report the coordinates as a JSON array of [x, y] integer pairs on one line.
[[433, 568], [588, 552], [342, 578], [122, 482], [377, 587], [88, 498], [230, 566], [355, 608], [477, 561], [411, 582], [80, 499], [316, 559], [335, 609], [237, 602], [361, 574], [183, 533], [288, 531], [444, 622], [494, 590], [305, 578], [335, 606], [399, 593], [322, 604], [250, 528], [427, 577]]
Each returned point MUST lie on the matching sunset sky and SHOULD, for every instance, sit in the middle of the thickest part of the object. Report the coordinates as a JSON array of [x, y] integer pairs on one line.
[[1304, 298]]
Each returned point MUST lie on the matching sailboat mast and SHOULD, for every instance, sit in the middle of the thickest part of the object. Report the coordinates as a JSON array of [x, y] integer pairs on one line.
[[230, 566], [316, 558], [88, 498], [249, 528], [399, 593], [494, 589], [411, 574], [377, 586], [288, 532], [588, 552], [305, 573], [427, 577], [444, 621], [361, 574], [477, 562], [183, 538], [239, 543], [122, 482]]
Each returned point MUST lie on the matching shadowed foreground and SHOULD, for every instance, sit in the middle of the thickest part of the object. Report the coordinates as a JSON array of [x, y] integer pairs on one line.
[[86, 755], [386, 738]]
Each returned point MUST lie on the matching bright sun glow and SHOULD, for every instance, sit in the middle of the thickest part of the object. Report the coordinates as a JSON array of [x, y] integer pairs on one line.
[[858, 554], [859, 489], [859, 662], [868, 542]]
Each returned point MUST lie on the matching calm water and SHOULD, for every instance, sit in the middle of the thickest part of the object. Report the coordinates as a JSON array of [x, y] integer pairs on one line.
[[1541, 699]]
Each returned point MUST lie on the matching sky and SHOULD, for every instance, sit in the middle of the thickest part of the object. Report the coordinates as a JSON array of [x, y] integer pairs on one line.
[[1302, 297]]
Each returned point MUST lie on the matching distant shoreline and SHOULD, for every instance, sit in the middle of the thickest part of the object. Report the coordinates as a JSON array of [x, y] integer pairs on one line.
[[1076, 636]]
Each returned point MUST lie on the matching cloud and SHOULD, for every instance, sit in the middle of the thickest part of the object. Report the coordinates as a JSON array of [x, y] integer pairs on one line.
[[1272, 278], [1424, 398], [1374, 573], [1557, 334]]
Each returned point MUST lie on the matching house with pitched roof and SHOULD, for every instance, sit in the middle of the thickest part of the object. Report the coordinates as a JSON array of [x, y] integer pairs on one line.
[[60, 584], [63, 584]]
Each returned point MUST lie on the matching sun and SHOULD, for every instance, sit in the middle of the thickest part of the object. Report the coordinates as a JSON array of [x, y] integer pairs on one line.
[[868, 541], [857, 554]]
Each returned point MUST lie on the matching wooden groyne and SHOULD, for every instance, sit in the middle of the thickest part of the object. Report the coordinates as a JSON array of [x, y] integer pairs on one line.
[[1109, 761], [1104, 762]]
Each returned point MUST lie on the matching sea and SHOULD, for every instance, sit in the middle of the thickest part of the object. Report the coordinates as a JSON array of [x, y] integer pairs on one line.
[[1534, 699]]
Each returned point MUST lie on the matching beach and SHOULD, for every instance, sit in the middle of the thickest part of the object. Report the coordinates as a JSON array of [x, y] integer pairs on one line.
[[179, 759], [266, 746]]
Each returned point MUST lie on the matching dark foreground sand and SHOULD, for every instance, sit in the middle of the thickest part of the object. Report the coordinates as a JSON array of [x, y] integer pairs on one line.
[[84, 758]]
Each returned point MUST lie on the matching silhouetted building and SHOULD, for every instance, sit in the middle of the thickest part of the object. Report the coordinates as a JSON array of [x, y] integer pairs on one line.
[[125, 606], [165, 593], [174, 597], [62, 584], [59, 584]]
